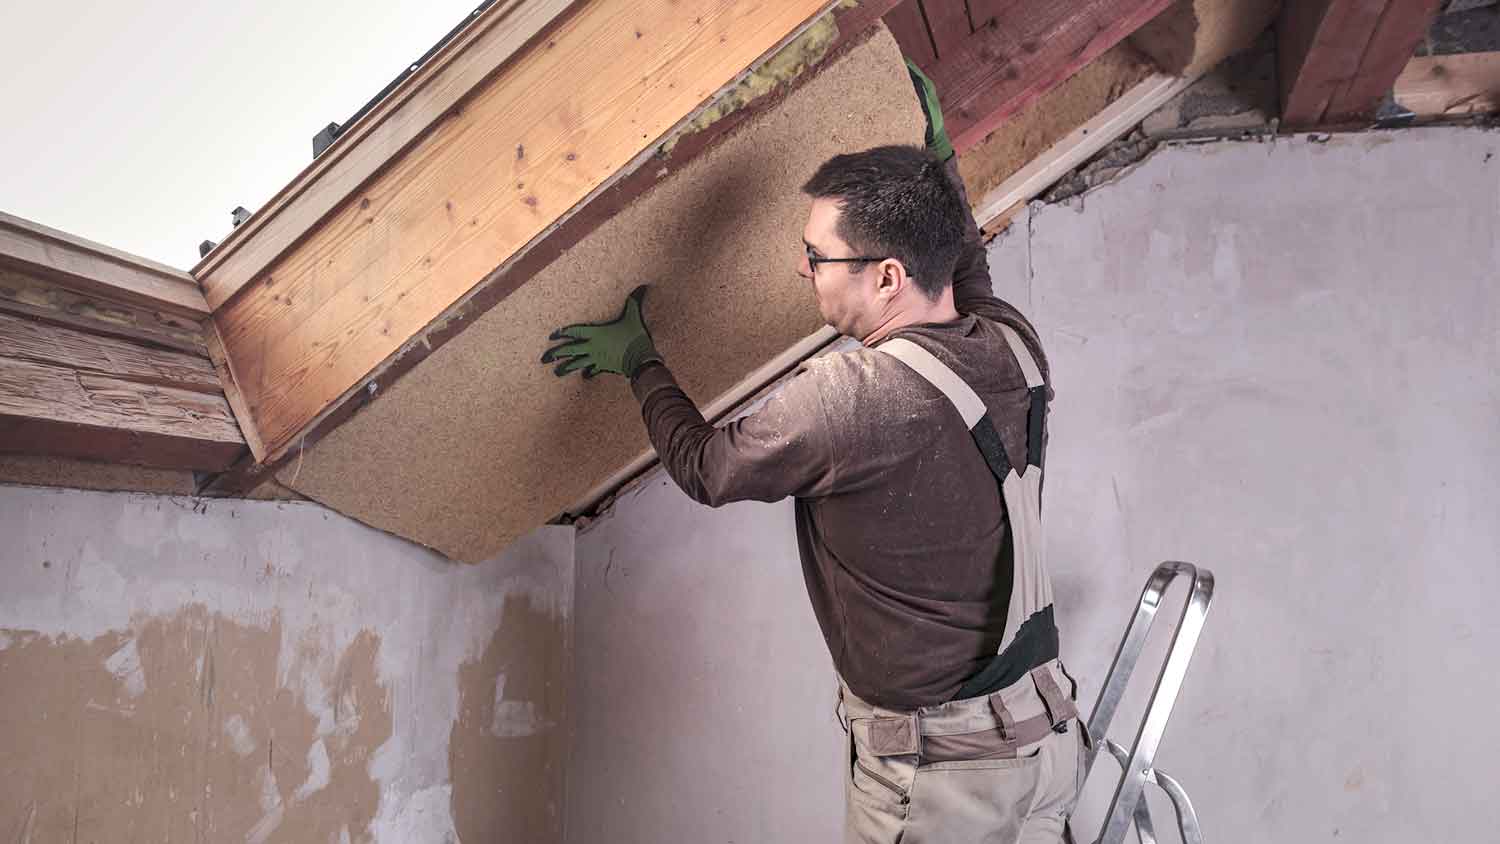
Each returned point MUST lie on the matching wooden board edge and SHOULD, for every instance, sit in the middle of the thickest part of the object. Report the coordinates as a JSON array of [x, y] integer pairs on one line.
[[856, 23], [53, 254], [1079, 145], [508, 45], [1450, 86], [232, 394]]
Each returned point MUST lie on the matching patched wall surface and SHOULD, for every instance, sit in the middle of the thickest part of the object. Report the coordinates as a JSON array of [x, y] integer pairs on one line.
[[180, 669]]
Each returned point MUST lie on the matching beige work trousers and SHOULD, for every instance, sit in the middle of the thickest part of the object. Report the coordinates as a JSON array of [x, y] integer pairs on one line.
[[1026, 799]]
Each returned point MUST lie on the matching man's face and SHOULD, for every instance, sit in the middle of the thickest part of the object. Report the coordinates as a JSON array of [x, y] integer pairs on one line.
[[846, 293]]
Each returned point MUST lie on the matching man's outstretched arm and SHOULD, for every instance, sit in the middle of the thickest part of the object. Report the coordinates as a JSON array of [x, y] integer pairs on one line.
[[971, 276], [782, 449]]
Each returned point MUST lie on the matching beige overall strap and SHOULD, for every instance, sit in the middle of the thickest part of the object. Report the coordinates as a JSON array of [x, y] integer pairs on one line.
[[1031, 587], [937, 373]]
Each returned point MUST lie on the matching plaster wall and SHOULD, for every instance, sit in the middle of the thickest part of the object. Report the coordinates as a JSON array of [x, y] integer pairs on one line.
[[208, 670]]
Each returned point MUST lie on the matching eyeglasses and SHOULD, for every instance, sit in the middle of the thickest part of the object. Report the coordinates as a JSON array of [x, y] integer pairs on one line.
[[813, 260]]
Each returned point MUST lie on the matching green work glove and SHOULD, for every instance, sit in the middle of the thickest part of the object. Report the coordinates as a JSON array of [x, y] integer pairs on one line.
[[937, 137], [621, 346]]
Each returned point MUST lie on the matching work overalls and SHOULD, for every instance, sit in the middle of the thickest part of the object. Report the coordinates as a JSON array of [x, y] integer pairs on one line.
[[997, 767]]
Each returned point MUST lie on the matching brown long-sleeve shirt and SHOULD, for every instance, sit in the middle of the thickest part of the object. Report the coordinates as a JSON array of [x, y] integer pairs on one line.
[[900, 524]]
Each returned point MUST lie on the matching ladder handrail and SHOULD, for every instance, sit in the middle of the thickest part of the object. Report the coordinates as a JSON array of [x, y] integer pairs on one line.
[[1127, 806]]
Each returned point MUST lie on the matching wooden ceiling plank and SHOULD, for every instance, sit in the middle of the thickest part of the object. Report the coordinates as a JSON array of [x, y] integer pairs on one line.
[[38, 342], [62, 412], [95, 268], [435, 91], [948, 21]]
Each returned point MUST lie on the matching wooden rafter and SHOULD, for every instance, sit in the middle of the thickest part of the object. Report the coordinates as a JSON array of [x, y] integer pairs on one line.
[[437, 90], [1338, 58]]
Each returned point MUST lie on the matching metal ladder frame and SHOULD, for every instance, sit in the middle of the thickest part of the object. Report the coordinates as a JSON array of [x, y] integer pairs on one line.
[[1129, 806]]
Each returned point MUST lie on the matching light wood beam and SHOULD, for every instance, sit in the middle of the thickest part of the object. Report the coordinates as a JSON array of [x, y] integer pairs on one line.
[[433, 93]]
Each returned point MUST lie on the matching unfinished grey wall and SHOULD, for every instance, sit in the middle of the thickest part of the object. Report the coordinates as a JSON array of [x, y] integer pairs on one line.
[[209, 670], [703, 697], [1279, 360]]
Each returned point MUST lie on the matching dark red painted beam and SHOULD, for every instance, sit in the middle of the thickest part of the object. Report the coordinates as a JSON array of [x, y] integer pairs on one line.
[[1021, 49]]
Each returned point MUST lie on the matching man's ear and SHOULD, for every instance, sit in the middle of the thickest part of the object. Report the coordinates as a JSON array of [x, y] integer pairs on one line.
[[892, 277]]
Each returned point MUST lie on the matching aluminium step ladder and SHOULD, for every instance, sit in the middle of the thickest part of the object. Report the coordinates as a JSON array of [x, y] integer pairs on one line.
[[1129, 808]]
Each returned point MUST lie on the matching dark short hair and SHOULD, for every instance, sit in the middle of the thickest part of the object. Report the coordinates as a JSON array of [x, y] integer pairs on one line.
[[897, 201]]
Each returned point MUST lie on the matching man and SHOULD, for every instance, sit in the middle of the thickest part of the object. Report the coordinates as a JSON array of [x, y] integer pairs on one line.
[[918, 539]]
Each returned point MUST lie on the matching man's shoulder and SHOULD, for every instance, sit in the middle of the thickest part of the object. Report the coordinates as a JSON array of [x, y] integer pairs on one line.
[[858, 380]]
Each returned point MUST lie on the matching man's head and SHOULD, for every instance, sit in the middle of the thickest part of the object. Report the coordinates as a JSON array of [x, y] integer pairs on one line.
[[895, 206]]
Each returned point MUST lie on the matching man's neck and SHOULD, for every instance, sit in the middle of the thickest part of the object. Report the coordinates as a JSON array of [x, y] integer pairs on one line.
[[921, 311]]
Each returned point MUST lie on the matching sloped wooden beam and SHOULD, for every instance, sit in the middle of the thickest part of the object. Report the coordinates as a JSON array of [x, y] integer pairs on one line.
[[1020, 50], [433, 93], [69, 393], [94, 268], [1338, 58]]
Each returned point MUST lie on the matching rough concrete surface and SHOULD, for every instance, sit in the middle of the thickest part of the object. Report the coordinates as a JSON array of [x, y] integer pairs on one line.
[[1281, 361], [205, 670], [479, 443]]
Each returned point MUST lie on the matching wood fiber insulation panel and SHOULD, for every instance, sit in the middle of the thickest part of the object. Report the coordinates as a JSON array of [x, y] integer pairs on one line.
[[1192, 36], [538, 138], [479, 443], [1021, 49]]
